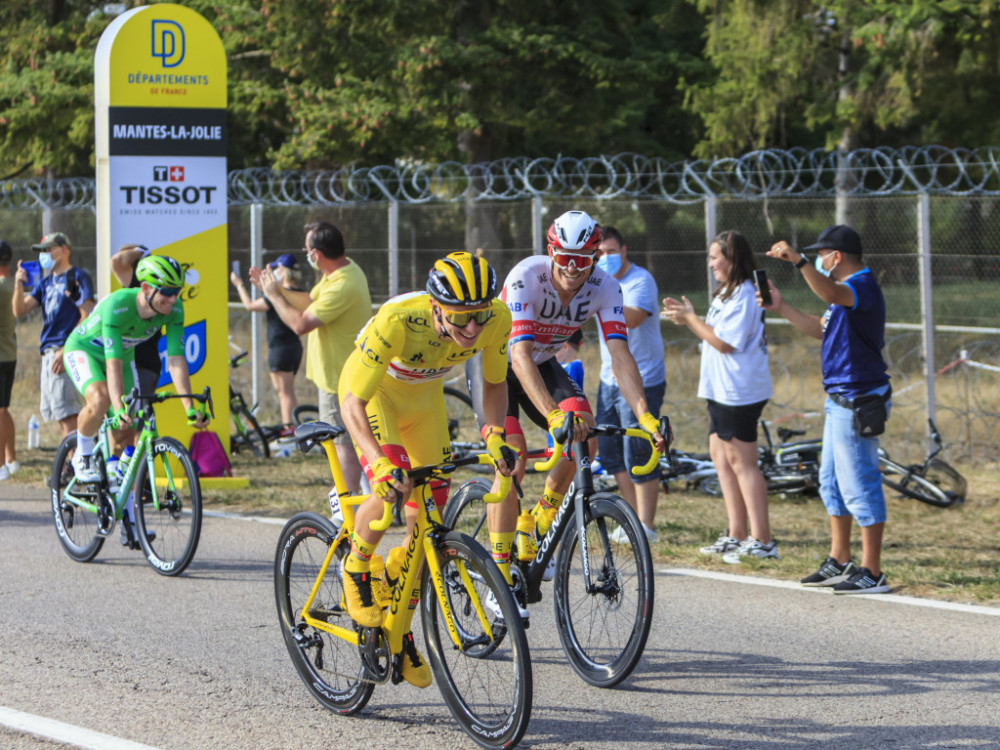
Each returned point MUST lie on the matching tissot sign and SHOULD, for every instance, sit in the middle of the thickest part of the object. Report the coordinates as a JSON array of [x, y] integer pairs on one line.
[[160, 94]]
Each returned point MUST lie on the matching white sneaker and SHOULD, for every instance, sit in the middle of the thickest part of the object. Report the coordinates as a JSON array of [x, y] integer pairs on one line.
[[84, 470], [618, 536], [721, 546], [550, 570], [651, 534], [493, 606], [4, 473], [750, 547], [12, 467]]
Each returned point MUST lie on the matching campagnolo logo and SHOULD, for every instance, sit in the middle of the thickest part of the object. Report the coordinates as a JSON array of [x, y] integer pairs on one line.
[[170, 194]]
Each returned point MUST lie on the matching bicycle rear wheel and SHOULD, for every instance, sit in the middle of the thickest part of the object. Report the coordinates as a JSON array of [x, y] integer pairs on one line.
[[77, 527], [330, 667], [604, 630], [909, 483], [168, 530], [249, 435], [489, 695]]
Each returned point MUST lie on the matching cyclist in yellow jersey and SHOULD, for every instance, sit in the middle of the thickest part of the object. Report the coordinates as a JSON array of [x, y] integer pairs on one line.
[[392, 401]]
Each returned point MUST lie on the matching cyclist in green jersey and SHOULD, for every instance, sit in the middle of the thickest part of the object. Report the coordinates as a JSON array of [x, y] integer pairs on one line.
[[100, 353]]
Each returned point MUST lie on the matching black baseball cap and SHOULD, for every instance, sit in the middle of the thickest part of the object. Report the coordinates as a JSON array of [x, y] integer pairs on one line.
[[838, 237], [6, 252]]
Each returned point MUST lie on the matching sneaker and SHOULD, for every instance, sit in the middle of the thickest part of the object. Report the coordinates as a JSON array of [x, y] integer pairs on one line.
[[618, 536], [751, 548], [524, 538], [493, 606], [83, 468], [721, 546], [361, 604], [415, 669], [863, 582], [4, 473], [12, 467], [550, 569], [831, 573]]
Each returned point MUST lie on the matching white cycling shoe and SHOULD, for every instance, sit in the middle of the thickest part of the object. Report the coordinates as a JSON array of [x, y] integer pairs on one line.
[[85, 469], [493, 606]]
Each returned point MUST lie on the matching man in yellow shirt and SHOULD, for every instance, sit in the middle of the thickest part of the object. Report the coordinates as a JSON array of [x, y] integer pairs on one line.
[[332, 313]]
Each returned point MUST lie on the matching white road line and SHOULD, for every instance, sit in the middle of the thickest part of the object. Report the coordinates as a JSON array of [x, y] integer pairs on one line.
[[887, 598], [66, 733], [242, 517]]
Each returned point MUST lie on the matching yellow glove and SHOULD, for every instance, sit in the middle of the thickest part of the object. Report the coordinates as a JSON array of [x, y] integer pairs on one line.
[[555, 418], [382, 477], [649, 423], [497, 447]]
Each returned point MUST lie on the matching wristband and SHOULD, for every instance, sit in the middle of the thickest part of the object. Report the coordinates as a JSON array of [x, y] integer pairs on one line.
[[802, 261]]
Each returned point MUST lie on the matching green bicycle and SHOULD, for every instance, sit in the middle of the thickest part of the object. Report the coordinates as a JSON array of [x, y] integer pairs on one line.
[[166, 519]]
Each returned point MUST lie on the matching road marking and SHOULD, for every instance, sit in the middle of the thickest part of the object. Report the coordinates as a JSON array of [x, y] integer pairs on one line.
[[912, 601], [67, 733], [242, 517]]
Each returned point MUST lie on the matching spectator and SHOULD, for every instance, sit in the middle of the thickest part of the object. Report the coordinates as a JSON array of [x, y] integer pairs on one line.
[[618, 456], [569, 358], [284, 348], [332, 314], [736, 382], [856, 382], [66, 296], [8, 363]]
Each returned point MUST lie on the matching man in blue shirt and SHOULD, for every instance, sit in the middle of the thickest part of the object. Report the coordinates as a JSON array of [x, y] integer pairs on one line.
[[66, 296], [856, 381], [642, 306]]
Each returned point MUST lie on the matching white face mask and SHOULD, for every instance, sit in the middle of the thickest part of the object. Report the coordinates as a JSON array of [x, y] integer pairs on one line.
[[279, 273], [818, 263], [313, 264], [45, 261]]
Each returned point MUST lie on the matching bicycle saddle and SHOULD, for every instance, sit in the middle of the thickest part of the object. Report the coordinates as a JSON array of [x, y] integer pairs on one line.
[[307, 435]]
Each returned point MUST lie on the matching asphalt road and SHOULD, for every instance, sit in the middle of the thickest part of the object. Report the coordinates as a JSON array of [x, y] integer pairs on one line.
[[199, 662]]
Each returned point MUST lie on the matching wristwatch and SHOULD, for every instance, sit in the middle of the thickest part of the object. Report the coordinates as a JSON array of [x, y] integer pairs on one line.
[[802, 261]]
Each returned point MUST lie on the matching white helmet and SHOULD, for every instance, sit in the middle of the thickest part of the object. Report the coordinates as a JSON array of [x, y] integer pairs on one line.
[[575, 230]]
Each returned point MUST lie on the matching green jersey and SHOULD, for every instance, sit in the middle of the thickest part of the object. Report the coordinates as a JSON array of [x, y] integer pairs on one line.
[[114, 328]]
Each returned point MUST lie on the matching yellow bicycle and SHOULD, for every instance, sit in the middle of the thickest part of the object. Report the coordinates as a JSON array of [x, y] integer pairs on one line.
[[476, 645]]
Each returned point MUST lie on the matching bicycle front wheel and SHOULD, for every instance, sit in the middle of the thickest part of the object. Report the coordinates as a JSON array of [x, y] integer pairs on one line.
[[77, 527], [604, 618], [909, 483], [168, 507], [486, 679], [330, 667]]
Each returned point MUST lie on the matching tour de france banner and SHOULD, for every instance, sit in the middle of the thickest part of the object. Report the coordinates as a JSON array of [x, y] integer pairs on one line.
[[160, 96]]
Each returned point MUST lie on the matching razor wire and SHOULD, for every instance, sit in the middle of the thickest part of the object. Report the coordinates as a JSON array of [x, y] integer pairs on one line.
[[766, 173]]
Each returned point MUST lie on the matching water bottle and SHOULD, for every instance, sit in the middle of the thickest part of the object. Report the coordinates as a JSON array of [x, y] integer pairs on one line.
[[111, 469], [123, 463], [33, 432]]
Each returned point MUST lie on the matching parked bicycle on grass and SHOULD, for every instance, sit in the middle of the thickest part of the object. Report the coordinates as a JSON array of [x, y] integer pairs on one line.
[[158, 500]]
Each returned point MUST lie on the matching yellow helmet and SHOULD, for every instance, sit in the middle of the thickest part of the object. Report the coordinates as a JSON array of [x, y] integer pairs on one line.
[[462, 280]]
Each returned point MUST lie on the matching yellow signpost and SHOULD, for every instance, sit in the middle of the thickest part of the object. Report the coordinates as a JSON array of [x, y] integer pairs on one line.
[[160, 97]]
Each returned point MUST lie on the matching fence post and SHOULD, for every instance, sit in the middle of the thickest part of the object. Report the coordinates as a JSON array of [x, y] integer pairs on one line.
[[393, 248], [710, 233], [537, 239], [926, 300], [256, 330]]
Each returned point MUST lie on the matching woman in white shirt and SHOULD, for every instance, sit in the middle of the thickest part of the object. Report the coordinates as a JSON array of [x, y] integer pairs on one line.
[[736, 381]]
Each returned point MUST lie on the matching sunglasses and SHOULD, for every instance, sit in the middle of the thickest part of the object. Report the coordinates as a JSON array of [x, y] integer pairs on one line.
[[580, 261], [169, 291], [462, 319]]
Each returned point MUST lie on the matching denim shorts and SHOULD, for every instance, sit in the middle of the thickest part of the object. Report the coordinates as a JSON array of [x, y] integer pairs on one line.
[[612, 408]]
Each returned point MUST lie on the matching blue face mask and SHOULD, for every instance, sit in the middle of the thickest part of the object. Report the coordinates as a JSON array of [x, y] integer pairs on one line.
[[45, 261], [818, 264], [610, 264]]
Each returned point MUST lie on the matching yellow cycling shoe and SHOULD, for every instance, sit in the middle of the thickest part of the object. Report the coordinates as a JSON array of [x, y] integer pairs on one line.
[[361, 605], [415, 669], [524, 538]]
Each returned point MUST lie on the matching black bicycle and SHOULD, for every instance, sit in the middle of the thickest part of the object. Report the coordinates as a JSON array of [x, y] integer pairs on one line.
[[934, 481], [603, 586]]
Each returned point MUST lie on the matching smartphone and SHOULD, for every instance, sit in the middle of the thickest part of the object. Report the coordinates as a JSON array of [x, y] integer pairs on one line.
[[760, 279], [236, 267]]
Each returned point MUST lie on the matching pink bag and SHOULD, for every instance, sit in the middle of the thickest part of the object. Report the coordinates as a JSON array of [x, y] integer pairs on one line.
[[210, 459]]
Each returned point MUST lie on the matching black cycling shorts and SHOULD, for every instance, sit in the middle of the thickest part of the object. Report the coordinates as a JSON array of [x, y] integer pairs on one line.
[[6, 383], [285, 358]]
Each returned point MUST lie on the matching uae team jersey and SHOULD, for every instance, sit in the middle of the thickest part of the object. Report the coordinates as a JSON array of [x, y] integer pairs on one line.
[[400, 341], [538, 315]]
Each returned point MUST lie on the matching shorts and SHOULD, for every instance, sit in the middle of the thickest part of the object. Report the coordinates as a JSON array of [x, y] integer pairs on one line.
[[329, 412], [84, 368], [566, 392], [6, 382], [618, 454], [286, 358], [60, 399], [148, 380], [738, 422]]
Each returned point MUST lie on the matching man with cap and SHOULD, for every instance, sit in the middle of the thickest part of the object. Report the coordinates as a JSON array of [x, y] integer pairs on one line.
[[284, 348], [66, 296], [8, 363], [856, 382]]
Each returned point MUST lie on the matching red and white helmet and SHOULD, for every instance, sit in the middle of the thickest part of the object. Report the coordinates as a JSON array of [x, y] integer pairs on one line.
[[574, 231]]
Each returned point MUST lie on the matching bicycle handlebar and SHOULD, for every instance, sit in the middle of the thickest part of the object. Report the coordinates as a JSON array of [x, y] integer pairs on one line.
[[237, 359], [134, 400], [425, 473], [561, 434]]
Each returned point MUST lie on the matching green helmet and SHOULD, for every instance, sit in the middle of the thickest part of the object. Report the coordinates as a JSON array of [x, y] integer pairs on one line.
[[160, 271]]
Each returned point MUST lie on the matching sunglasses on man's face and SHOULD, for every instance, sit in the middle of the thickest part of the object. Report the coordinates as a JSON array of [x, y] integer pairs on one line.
[[169, 291], [580, 261], [461, 319]]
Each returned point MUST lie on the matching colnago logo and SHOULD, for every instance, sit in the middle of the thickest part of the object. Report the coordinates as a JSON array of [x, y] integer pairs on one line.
[[153, 195], [167, 42]]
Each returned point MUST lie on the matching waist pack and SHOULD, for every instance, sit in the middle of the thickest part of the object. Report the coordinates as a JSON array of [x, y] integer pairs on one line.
[[870, 413], [210, 459]]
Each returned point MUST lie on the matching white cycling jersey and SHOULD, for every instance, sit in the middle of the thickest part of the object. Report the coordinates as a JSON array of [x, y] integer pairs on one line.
[[539, 316]]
